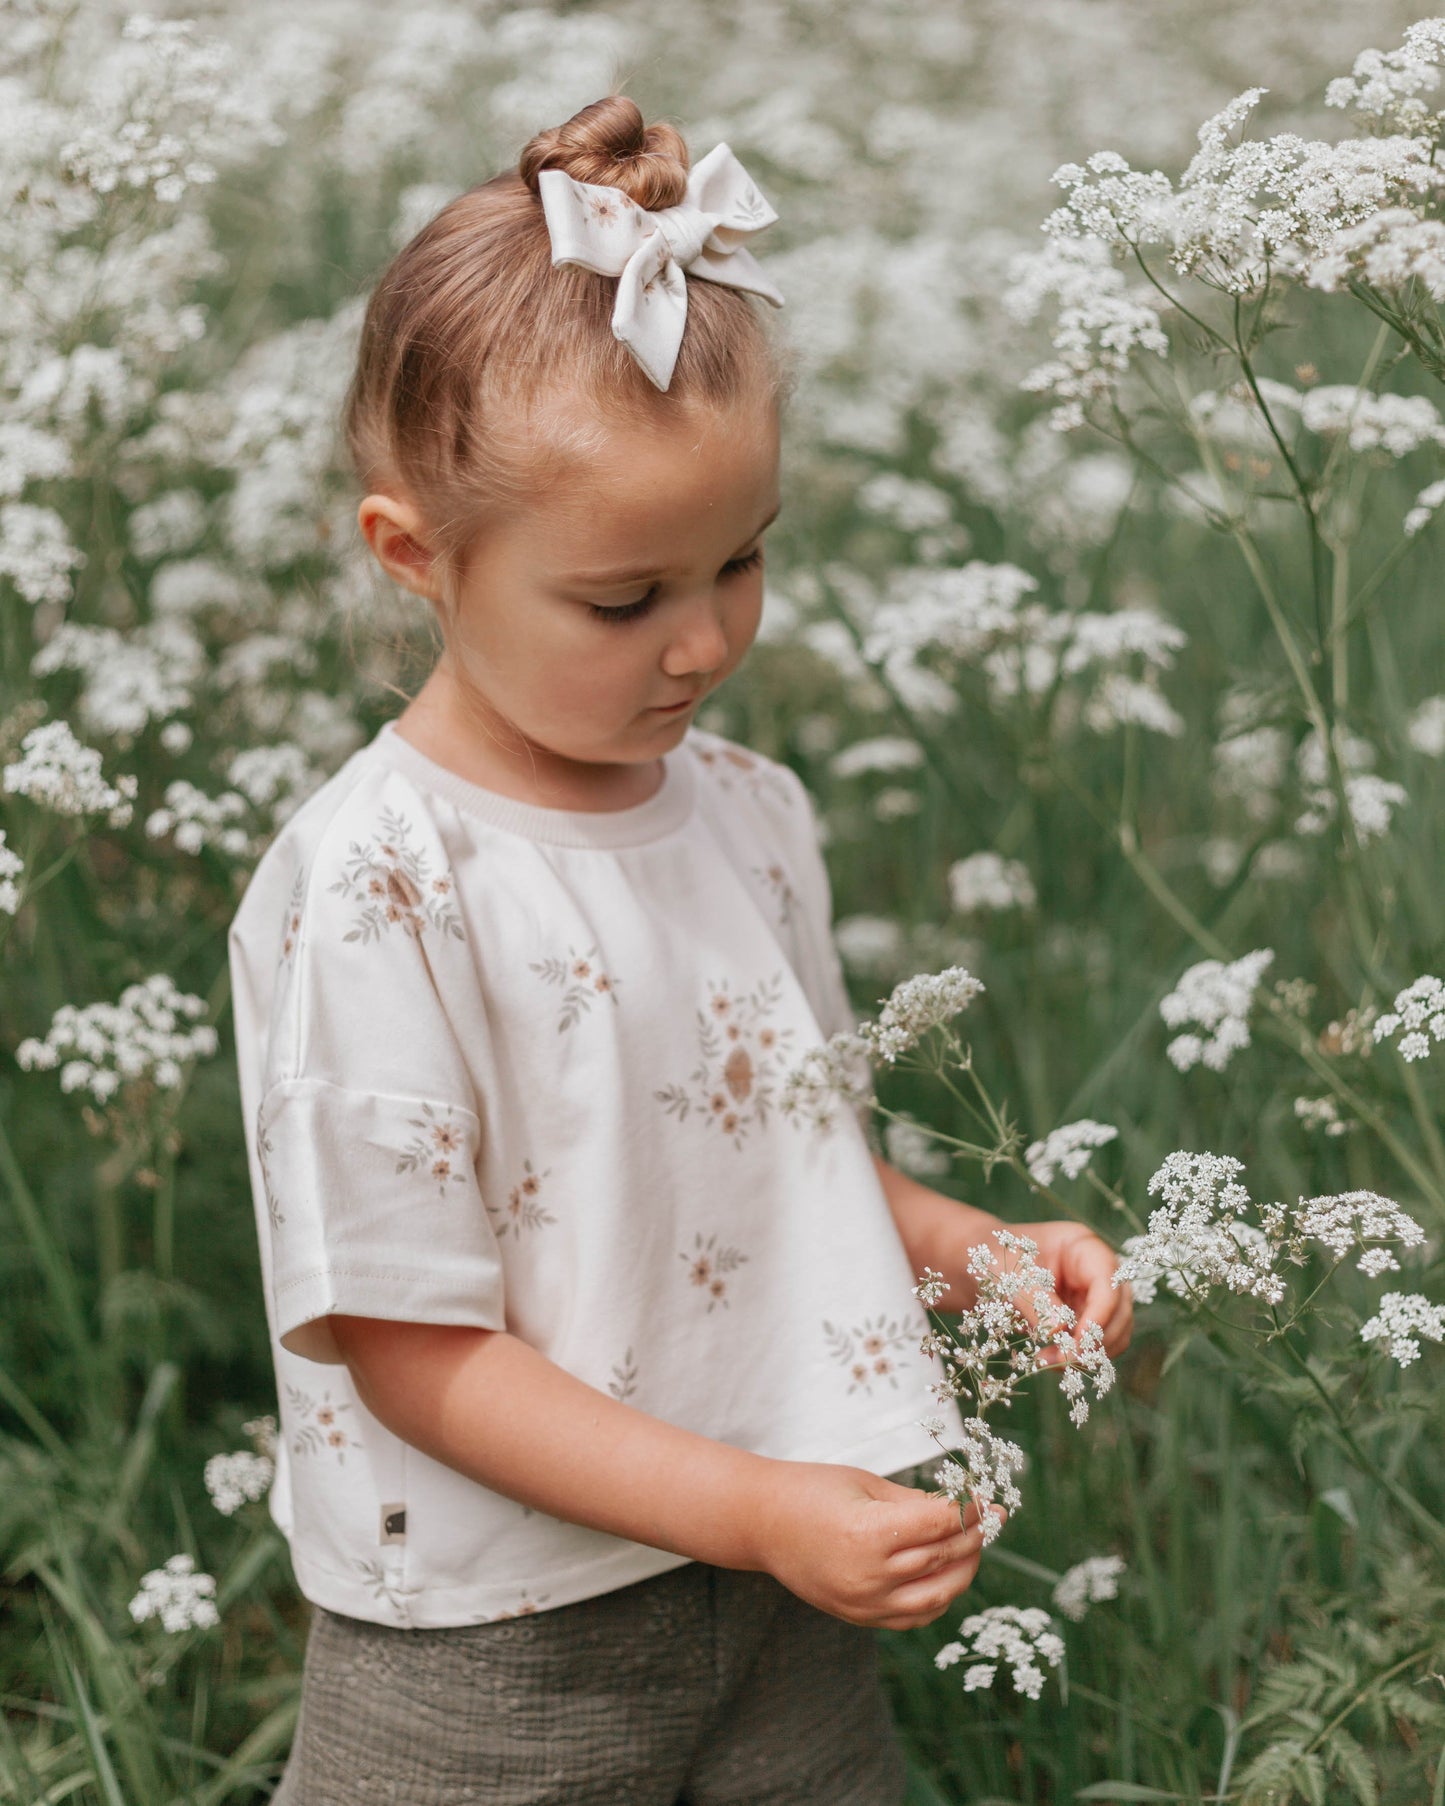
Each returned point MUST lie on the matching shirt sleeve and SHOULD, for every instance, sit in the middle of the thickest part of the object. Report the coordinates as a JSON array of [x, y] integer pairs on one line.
[[368, 1131]]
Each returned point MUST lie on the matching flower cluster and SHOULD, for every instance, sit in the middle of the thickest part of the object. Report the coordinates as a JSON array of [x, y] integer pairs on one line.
[[11, 866], [1015, 1327], [916, 1006], [1067, 1149], [59, 773], [1201, 1236], [1020, 1636], [197, 820], [139, 1037], [1216, 996], [1419, 1008], [1087, 1583], [989, 881], [176, 1594], [1403, 1317], [233, 1480]]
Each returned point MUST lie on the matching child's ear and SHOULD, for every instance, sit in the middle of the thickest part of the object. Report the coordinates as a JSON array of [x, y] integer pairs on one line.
[[396, 533]]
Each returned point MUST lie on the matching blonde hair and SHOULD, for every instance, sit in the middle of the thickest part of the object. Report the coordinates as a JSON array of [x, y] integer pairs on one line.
[[470, 327]]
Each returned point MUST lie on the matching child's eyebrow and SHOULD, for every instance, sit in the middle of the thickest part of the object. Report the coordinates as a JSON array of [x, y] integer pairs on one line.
[[602, 578]]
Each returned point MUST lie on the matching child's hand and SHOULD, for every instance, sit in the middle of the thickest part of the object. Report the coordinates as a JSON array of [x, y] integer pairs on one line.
[[864, 1549], [1083, 1269]]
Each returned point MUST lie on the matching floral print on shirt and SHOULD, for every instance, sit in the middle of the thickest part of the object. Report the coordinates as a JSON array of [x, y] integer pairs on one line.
[[439, 1139], [623, 1383], [743, 1058], [869, 1351], [729, 764], [316, 1425], [264, 1147], [291, 923], [583, 981], [395, 886], [523, 1210], [707, 1266], [785, 896]]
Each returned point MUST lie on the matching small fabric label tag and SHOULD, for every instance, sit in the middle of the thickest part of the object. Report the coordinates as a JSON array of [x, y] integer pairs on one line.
[[393, 1523]]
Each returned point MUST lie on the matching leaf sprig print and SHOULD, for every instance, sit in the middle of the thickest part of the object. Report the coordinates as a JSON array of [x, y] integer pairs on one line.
[[395, 886], [708, 1266], [523, 1209], [582, 979], [868, 1351], [733, 1085]]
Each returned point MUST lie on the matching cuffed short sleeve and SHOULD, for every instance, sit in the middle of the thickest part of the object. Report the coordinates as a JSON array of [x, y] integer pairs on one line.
[[372, 1126], [375, 1212]]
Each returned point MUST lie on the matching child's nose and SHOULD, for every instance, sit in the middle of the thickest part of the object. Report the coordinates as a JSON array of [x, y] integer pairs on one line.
[[700, 642]]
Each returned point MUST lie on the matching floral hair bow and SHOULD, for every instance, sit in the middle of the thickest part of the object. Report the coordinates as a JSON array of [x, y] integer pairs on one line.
[[604, 230]]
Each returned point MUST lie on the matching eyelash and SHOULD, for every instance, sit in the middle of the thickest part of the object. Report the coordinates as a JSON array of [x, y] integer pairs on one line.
[[632, 611]]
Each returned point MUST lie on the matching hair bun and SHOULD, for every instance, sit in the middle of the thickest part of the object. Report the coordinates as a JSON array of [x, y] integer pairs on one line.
[[610, 144]]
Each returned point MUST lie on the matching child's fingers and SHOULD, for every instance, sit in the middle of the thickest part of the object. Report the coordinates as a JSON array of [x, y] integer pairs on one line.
[[923, 1519], [927, 1598], [929, 1558]]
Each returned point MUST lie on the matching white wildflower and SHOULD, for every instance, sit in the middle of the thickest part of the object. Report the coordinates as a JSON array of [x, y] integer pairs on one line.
[[1403, 1317], [908, 504], [137, 1038], [1420, 1011], [198, 820], [1066, 1149], [1320, 1113], [1251, 767], [989, 881], [28, 454], [983, 1473], [1217, 997], [838, 1070], [57, 772], [1395, 424], [872, 945], [11, 866], [233, 1479], [895, 802], [147, 674], [1425, 729], [1087, 1583], [916, 1006], [889, 752], [1019, 1636], [36, 552], [1388, 250], [172, 523], [179, 1596], [1198, 1237], [1347, 1220]]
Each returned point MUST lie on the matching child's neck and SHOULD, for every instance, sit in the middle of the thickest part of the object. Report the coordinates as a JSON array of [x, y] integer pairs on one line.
[[436, 724]]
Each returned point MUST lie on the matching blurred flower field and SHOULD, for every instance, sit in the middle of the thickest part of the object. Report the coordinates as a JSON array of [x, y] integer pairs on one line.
[[1103, 622]]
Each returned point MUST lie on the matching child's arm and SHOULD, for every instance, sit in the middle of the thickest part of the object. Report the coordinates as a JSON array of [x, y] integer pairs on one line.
[[495, 1409], [938, 1232]]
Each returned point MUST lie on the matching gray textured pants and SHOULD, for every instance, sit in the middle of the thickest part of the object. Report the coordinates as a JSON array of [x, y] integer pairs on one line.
[[702, 1686]]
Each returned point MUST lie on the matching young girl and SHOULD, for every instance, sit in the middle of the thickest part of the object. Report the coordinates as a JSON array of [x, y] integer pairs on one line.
[[590, 1361]]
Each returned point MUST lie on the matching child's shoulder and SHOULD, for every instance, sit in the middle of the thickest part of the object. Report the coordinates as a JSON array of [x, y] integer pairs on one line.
[[742, 772], [369, 816]]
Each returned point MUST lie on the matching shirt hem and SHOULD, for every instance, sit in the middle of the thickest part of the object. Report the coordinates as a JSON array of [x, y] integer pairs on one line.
[[370, 1595]]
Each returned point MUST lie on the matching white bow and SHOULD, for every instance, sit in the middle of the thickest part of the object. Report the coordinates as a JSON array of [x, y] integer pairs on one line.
[[605, 231]]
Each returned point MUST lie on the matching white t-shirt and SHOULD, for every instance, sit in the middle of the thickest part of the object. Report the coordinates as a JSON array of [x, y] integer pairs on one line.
[[519, 1068]]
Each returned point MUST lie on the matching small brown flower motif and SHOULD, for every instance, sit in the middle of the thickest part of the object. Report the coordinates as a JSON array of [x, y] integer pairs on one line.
[[391, 875], [721, 1003], [717, 1103], [735, 1082], [582, 982], [602, 983], [766, 1037], [438, 1137], [869, 1351], [523, 1209], [326, 1415], [313, 1426], [706, 1264], [580, 968]]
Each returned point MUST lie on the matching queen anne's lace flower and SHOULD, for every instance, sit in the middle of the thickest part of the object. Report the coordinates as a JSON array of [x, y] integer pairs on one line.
[[1198, 1237], [1067, 1149], [138, 1038], [889, 752], [988, 881], [11, 866], [179, 1596], [1419, 1010], [916, 1006], [58, 772], [1087, 1583], [1019, 1636], [1403, 1317], [234, 1479], [1426, 727], [1216, 996]]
